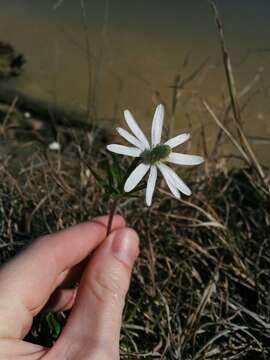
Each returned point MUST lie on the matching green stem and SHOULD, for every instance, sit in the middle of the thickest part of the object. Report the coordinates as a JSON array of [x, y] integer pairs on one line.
[[111, 215]]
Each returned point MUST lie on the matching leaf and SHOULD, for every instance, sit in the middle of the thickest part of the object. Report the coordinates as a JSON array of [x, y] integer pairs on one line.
[[110, 181], [99, 180], [116, 168], [53, 324], [138, 188]]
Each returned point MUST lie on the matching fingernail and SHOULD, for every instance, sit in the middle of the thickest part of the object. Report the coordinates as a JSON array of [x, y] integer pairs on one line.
[[125, 246]]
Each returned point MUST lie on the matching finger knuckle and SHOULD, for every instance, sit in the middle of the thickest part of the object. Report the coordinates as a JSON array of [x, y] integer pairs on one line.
[[108, 285]]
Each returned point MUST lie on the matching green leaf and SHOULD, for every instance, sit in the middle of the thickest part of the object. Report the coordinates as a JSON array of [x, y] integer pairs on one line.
[[116, 169], [99, 180], [53, 324], [140, 187], [109, 171]]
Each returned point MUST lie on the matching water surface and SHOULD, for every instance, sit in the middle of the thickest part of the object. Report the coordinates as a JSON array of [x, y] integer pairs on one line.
[[137, 49]]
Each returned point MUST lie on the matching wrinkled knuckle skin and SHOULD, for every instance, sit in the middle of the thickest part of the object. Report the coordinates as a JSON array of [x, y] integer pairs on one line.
[[109, 286]]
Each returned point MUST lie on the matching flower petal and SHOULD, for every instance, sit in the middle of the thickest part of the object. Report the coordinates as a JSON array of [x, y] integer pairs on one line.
[[124, 150], [184, 159], [151, 185], [178, 182], [130, 138], [134, 127], [135, 177], [157, 125], [168, 180], [178, 140]]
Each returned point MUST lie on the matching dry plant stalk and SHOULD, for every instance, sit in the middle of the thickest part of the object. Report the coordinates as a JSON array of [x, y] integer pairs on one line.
[[90, 109], [252, 159]]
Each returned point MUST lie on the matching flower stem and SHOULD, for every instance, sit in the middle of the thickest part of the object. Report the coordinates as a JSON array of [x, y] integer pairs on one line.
[[111, 215]]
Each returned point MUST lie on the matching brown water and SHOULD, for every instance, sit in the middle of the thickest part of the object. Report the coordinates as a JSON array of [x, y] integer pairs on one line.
[[138, 50]]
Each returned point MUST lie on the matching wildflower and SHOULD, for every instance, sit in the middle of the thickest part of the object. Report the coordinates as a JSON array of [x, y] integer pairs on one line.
[[154, 156]]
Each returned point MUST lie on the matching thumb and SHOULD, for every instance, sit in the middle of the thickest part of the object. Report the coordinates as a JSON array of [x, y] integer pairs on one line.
[[93, 328]]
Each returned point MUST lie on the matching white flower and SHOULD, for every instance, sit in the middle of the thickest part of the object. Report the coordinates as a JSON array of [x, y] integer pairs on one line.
[[154, 155]]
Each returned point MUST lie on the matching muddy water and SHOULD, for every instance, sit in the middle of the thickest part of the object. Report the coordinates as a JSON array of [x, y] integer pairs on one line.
[[137, 49]]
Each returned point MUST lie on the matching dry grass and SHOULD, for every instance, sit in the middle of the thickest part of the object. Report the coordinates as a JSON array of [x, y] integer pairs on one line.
[[200, 289]]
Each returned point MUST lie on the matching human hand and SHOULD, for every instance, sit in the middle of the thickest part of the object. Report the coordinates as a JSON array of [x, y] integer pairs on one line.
[[41, 272]]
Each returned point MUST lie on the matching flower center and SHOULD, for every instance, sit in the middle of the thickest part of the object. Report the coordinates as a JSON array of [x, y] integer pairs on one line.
[[158, 153]]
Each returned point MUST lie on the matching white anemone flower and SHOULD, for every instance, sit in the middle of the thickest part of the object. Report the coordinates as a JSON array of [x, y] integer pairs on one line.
[[154, 156]]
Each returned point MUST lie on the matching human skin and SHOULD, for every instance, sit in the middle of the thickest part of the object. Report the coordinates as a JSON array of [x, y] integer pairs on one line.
[[39, 277]]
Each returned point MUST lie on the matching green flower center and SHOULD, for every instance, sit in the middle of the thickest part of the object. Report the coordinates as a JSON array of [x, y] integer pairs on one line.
[[158, 153]]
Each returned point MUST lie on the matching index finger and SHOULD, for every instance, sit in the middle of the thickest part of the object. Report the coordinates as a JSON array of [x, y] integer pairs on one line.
[[32, 275]]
